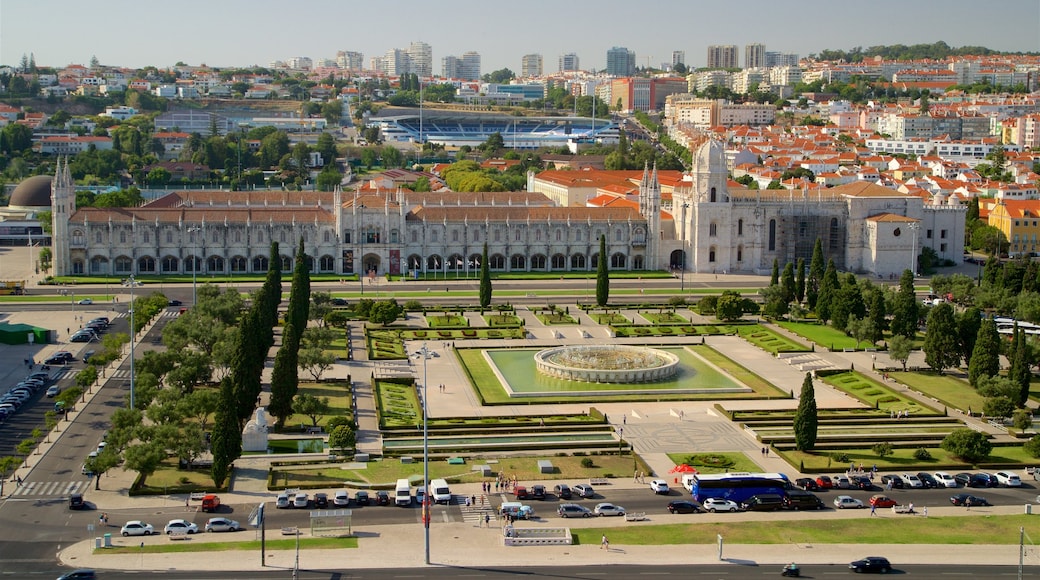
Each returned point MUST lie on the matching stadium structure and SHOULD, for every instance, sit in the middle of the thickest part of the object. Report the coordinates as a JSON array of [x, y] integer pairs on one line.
[[458, 128]]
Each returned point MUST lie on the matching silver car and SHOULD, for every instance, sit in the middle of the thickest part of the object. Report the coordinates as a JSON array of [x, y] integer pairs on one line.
[[608, 509], [222, 525]]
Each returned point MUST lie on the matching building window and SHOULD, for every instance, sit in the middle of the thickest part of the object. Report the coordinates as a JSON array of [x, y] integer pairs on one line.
[[577, 235], [928, 234], [326, 263], [711, 255], [558, 261], [122, 237], [498, 235], [260, 239], [454, 235], [97, 237], [713, 229], [326, 237], [740, 253], [169, 237], [559, 235], [740, 227], [713, 195], [517, 235], [618, 235], [538, 262], [238, 264], [238, 236], [497, 262], [147, 237], [517, 262], [772, 235], [146, 264], [433, 236], [415, 237], [942, 234], [393, 236], [618, 261], [577, 262], [942, 248], [215, 264]]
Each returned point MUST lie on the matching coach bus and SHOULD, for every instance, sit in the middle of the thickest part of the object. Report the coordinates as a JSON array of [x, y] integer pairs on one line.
[[737, 486]]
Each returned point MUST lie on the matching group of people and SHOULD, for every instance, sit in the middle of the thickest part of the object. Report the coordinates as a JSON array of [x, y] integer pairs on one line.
[[502, 483], [638, 477], [904, 414]]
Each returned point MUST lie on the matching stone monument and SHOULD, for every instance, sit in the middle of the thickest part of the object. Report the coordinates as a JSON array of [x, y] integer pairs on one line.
[[254, 436]]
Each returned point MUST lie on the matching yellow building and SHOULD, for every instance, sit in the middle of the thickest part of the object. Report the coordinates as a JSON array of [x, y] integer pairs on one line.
[[1020, 222]]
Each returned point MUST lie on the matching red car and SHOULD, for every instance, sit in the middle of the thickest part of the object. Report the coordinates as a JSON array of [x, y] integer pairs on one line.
[[521, 492], [824, 482], [882, 501]]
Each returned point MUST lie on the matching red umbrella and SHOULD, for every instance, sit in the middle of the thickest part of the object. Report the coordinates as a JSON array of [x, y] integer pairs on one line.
[[683, 468]]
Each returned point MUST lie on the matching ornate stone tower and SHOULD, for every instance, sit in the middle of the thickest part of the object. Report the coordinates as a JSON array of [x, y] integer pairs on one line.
[[650, 208], [711, 219], [63, 205]]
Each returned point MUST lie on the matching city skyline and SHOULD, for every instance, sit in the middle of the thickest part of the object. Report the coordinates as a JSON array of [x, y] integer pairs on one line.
[[242, 34]]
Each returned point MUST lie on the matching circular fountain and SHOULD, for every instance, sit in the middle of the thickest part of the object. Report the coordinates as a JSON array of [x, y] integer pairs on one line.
[[607, 363]]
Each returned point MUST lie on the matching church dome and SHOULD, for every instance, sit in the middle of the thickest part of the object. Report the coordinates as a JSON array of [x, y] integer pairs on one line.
[[33, 193], [710, 156]]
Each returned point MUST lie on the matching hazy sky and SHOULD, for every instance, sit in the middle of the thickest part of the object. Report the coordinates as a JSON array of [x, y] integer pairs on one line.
[[255, 32]]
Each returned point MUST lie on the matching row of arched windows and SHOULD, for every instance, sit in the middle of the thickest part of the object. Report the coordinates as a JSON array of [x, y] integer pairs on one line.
[[436, 262], [211, 265]]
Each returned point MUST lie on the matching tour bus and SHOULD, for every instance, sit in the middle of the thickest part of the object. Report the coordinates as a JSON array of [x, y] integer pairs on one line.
[[737, 486], [403, 493]]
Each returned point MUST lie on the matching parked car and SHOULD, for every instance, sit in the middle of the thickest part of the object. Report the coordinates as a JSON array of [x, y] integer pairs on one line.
[[361, 497], [382, 497], [1008, 479], [871, 564], [911, 480], [895, 481], [59, 358], [584, 490], [173, 303], [301, 501], [807, 483], [53, 391], [608, 509], [944, 479], [282, 501], [882, 501], [716, 504], [763, 502], [516, 510], [976, 480], [180, 527], [321, 500], [841, 482], [966, 499], [521, 492], [927, 480], [799, 500], [81, 574], [824, 482], [846, 501], [659, 486], [538, 492], [562, 491], [85, 302], [681, 506], [861, 482], [573, 510], [342, 498], [222, 525], [136, 528]]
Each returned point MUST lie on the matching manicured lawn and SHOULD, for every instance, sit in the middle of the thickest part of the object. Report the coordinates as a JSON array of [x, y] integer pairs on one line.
[[557, 317], [951, 391], [338, 394], [768, 340], [761, 386], [200, 545], [824, 336], [387, 471], [447, 321], [502, 320], [339, 348], [609, 318], [168, 479], [664, 318], [1002, 529], [875, 394], [902, 459], [398, 404], [736, 462]]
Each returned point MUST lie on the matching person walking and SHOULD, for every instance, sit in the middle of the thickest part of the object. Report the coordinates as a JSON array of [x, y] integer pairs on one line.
[[487, 520], [873, 509], [604, 543]]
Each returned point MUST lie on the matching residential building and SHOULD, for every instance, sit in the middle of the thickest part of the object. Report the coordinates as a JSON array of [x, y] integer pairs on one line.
[[678, 57], [722, 56], [420, 59], [754, 55], [350, 60], [644, 94], [569, 62], [771, 59], [450, 67], [531, 66], [621, 62], [469, 68]]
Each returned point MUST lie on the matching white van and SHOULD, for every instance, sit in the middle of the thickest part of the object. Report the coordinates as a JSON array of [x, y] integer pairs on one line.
[[441, 493], [403, 493], [687, 481]]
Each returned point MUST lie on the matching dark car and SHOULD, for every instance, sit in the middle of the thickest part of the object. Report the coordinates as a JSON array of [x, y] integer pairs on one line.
[[824, 482], [894, 480], [361, 497], [681, 506], [801, 500], [382, 498], [321, 500], [76, 502], [81, 574], [174, 303], [871, 564], [861, 482], [975, 479], [807, 483], [59, 358], [966, 499], [562, 491], [537, 492], [928, 480]]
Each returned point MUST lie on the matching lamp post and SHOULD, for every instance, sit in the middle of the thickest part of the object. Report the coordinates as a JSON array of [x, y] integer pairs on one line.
[[426, 355], [194, 230], [131, 284], [361, 237]]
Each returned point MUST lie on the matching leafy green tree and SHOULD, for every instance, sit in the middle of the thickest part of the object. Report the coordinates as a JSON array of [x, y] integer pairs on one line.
[[968, 324], [905, 308], [860, 328], [941, 348], [343, 438], [806, 420], [485, 278], [732, 306], [773, 303], [1022, 419], [998, 406], [144, 458], [968, 444], [847, 303], [1032, 446], [321, 306], [602, 275], [899, 349], [816, 271], [102, 464], [226, 441], [316, 361], [311, 406], [385, 312], [985, 355], [882, 449], [799, 282]]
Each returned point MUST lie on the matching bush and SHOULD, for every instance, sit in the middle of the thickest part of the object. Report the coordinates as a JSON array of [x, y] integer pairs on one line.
[[587, 463], [882, 450], [841, 457], [968, 444], [1022, 419], [922, 454], [1032, 446]]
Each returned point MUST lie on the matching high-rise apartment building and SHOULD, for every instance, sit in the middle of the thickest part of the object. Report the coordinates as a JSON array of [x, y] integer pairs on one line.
[[621, 62], [569, 62], [531, 65], [722, 56], [678, 57], [420, 59], [469, 69], [754, 55], [781, 59], [395, 62], [450, 67], [350, 60]]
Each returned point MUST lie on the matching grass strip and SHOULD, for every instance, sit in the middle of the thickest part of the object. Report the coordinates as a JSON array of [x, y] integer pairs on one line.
[[249, 545]]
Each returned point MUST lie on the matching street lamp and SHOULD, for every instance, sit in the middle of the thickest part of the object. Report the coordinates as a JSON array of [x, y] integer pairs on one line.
[[361, 237], [426, 355], [194, 260], [131, 284]]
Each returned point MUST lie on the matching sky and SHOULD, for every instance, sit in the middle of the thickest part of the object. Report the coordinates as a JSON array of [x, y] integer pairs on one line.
[[241, 33]]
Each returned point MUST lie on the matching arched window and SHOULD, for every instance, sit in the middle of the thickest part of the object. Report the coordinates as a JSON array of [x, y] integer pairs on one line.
[[97, 237], [740, 253], [415, 236], [711, 255], [260, 263], [517, 262], [638, 263], [558, 261], [740, 227], [577, 262], [281, 237], [713, 195], [238, 264], [713, 229], [618, 261], [215, 264], [326, 237], [394, 234], [772, 235], [214, 236], [122, 237], [171, 264], [169, 236], [577, 235], [260, 238], [516, 235], [537, 236], [286, 263], [434, 263], [146, 237], [123, 265], [146, 264], [327, 263], [497, 262], [238, 236], [77, 237], [498, 235], [559, 235], [618, 235], [77, 266], [538, 262], [454, 235]]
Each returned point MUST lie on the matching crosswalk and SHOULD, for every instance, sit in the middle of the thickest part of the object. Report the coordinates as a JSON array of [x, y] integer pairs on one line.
[[68, 373], [49, 488], [474, 513]]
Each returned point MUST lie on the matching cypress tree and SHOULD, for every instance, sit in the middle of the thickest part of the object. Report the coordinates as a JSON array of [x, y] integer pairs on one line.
[[829, 287], [968, 324], [787, 286], [485, 279], [299, 308], [985, 356], [799, 281], [602, 275], [905, 309], [805, 418], [877, 315], [285, 378], [774, 278], [941, 345], [226, 442], [1019, 371], [816, 269]]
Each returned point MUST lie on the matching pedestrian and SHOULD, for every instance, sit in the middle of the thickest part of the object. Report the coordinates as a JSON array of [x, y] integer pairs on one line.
[[635, 476], [873, 509], [467, 502], [487, 520], [910, 508], [681, 415], [473, 500], [187, 503], [18, 479], [624, 419], [101, 519], [604, 544], [967, 504], [924, 511], [496, 486]]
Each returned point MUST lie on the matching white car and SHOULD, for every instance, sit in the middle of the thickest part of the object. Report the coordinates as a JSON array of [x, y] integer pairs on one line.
[[944, 479], [1008, 479], [222, 525], [137, 528], [841, 481], [717, 504], [911, 480], [86, 302], [283, 501], [846, 501], [180, 527], [53, 391], [300, 501], [341, 498], [659, 486], [608, 509]]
